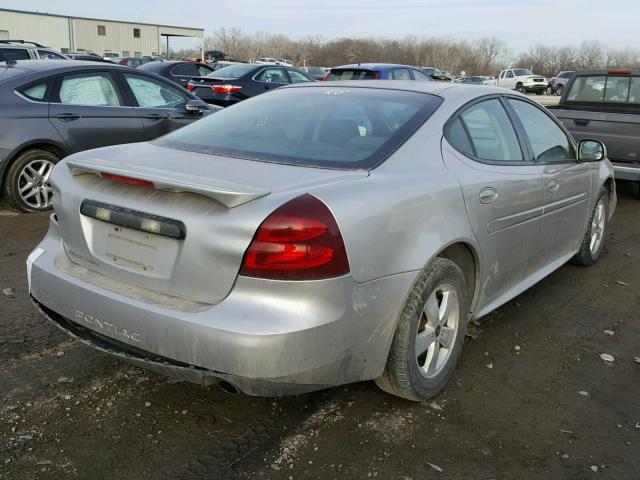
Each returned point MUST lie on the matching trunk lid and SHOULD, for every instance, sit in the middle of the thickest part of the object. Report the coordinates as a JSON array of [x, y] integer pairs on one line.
[[187, 236]]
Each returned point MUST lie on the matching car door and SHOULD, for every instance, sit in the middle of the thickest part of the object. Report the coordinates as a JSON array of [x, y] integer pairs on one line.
[[567, 183], [509, 80], [270, 78], [89, 111], [502, 189], [161, 106]]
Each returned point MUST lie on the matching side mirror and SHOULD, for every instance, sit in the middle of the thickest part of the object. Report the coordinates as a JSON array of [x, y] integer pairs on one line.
[[196, 106], [591, 151]]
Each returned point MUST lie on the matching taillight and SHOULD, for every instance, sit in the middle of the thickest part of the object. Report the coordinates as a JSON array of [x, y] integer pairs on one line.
[[326, 76], [299, 241], [128, 180], [190, 86], [225, 88]]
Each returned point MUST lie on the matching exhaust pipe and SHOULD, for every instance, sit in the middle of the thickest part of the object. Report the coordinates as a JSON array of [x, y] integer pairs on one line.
[[228, 388]]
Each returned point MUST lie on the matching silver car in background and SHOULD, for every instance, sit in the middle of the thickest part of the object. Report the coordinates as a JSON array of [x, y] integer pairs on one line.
[[319, 235]]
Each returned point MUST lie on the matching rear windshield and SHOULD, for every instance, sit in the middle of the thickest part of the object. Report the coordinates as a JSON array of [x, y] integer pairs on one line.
[[232, 71], [352, 74], [7, 73], [613, 89], [343, 128]]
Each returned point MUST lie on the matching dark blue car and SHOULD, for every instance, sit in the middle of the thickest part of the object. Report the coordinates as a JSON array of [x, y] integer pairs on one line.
[[377, 71]]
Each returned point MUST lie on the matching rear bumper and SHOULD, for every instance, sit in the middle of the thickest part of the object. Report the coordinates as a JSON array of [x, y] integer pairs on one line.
[[623, 171], [266, 338]]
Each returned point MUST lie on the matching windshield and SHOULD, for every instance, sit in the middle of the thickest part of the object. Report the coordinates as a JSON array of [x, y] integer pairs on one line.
[[232, 71], [519, 72], [344, 128]]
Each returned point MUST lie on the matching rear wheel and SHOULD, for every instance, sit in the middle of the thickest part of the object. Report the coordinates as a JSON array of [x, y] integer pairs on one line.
[[593, 241], [26, 186], [549, 90], [430, 334], [559, 90]]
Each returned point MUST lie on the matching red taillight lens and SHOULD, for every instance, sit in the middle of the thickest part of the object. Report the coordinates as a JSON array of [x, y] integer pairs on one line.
[[128, 180], [299, 241], [225, 88], [326, 76], [190, 86]]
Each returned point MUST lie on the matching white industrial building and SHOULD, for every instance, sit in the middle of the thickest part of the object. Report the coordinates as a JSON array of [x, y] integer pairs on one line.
[[72, 34]]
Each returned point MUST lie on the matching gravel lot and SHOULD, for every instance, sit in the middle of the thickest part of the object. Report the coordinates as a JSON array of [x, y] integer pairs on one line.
[[531, 398]]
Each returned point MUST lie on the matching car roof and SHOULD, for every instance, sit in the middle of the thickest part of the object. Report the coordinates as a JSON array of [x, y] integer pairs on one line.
[[372, 66]]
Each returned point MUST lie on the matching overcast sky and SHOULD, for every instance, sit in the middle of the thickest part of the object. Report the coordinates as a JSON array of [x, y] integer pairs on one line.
[[520, 23]]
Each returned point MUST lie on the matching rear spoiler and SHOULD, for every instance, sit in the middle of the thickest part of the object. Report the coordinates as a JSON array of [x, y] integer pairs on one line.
[[229, 194]]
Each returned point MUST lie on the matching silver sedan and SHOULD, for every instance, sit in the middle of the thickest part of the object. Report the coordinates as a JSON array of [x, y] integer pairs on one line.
[[319, 235]]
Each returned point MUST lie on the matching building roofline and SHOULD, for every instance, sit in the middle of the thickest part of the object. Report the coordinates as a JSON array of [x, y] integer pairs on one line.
[[97, 19]]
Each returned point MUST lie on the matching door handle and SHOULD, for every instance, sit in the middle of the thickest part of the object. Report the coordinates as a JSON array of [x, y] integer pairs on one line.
[[581, 122], [488, 195], [155, 116], [67, 117], [553, 185]]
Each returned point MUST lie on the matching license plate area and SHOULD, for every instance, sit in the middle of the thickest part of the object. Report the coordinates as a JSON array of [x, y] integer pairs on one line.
[[131, 240]]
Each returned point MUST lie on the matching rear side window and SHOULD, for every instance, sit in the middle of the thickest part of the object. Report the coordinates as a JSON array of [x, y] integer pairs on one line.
[[37, 92], [93, 89], [343, 128], [187, 69], [401, 74], [458, 137], [297, 77], [587, 89], [490, 132], [418, 75], [352, 75]]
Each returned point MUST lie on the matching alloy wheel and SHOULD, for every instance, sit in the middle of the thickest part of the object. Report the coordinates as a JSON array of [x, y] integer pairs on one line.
[[437, 331], [597, 228], [33, 184]]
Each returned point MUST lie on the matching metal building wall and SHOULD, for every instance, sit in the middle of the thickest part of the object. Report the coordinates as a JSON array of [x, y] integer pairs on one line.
[[118, 37], [47, 30]]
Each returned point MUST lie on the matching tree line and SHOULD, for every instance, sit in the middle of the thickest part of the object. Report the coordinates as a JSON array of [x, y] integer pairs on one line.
[[485, 56]]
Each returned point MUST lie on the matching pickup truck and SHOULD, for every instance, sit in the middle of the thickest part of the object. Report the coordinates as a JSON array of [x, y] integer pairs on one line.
[[521, 80], [605, 105]]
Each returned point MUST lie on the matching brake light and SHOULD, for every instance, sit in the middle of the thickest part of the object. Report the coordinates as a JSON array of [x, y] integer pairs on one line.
[[326, 76], [190, 86], [128, 180], [299, 241], [619, 72], [225, 88]]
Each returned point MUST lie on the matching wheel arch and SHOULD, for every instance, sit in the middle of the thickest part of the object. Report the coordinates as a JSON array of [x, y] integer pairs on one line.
[[48, 146], [466, 257]]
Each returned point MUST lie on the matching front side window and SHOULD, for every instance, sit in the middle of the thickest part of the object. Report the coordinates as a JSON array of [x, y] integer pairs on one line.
[[549, 142], [401, 74], [297, 77], [151, 93], [509, 74], [587, 89], [490, 133], [94, 89], [272, 75], [343, 128]]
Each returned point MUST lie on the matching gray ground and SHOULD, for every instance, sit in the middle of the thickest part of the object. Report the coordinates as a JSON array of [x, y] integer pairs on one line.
[[550, 408]]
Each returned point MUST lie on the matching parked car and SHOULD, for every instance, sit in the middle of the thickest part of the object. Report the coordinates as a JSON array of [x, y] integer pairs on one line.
[[474, 80], [87, 57], [521, 80], [274, 61], [53, 108], [605, 105], [236, 83], [558, 83], [376, 71], [319, 235], [317, 73], [130, 61], [437, 74], [21, 50], [178, 71]]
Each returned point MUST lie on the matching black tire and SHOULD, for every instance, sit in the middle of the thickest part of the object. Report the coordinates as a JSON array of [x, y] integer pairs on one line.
[[13, 181], [587, 255], [520, 88], [402, 375], [550, 90], [559, 90]]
